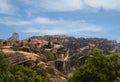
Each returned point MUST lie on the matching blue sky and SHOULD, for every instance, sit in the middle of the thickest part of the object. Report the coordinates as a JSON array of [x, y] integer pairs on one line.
[[78, 18]]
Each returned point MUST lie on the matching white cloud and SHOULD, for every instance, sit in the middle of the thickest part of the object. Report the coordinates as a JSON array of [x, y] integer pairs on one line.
[[49, 26], [43, 20], [32, 30], [8, 21], [62, 30], [72, 5], [6, 7], [104, 4], [51, 31], [56, 5], [62, 5], [17, 22], [37, 6]]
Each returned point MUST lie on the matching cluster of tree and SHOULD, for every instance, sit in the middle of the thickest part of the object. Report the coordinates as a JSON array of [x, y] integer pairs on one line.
[[98, 68], [18, 73], [49, 45]]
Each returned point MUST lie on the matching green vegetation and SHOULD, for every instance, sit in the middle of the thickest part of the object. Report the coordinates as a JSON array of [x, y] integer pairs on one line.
[[41, 71], [18, 73], [98, 68], [49, 45], [5, 65], [15, 47]]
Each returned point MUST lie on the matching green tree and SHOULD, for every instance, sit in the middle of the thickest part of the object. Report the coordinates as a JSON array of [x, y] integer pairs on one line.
[[98, 68], [41, 71], [24, 74], [18, 73], [49, 45], [5, 65]]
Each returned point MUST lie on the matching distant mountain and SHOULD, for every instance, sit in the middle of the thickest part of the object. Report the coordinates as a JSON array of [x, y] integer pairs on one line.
[[79, 47]]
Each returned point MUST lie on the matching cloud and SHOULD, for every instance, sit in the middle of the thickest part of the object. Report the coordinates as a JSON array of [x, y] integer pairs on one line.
[[62, 5], [43, 20], [62, 31], [10, 8], [103, 4], [51, 31], [6, 7], [73, 5], [37, 6], [56, 5], [10, 21], [49, 26]]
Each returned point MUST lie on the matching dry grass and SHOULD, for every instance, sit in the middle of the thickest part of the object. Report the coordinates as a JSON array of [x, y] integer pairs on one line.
[[30, 55], [8, 51], [27, 54]]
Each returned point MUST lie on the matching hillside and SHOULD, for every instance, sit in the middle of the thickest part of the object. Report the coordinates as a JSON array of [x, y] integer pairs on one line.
[[57, 55], [79, 47]]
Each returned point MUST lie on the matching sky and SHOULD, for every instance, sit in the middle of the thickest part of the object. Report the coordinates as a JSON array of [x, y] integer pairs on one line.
[[78, 18]]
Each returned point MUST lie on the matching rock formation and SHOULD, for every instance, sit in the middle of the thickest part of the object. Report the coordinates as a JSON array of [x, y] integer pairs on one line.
[[14, 37], [79, 47], [59, 57], [66, 54]]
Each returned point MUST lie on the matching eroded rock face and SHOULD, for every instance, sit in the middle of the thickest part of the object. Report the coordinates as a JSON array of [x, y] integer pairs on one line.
[[59, 57], [14, 37], [63, 66], [79, 47]]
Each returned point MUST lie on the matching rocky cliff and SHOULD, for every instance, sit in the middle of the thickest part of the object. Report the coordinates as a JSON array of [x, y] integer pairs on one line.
[[54, 62], [79, 47]]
